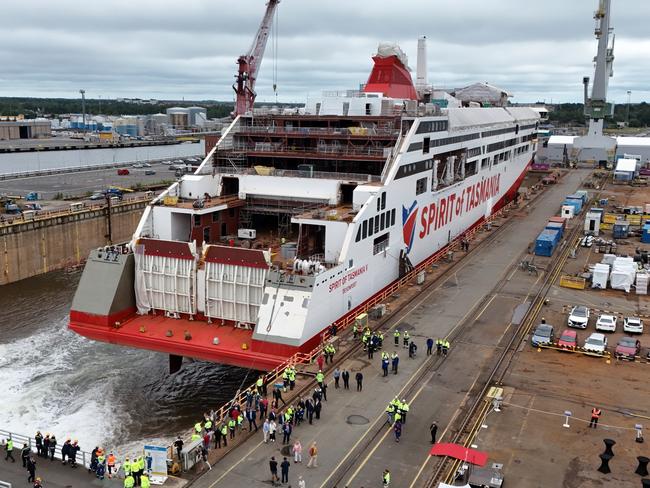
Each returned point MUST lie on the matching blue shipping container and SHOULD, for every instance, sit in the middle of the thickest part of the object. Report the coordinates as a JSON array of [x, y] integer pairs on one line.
[[579, 196], [546, 242], [645, 236]]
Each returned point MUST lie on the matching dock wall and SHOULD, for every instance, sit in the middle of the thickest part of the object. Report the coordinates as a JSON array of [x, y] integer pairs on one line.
[[64, 239]]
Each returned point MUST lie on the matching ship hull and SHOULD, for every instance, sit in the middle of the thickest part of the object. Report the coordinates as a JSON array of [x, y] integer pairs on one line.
[[223, 343]]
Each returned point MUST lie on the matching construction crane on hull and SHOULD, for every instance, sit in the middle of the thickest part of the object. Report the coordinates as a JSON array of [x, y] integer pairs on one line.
[[250, 62]]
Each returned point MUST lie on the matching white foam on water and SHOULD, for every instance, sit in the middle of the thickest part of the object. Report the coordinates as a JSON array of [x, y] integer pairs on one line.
[[43, 389]]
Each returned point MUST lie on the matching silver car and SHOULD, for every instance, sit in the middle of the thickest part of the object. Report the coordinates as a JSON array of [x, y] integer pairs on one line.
[[544, 335]]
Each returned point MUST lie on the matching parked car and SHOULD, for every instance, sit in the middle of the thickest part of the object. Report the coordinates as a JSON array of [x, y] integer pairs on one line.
[[568, 340], [166, 163], [98, 195], [627, 348], [33, 206], [146, 165], [150, 172], [123, 171], [579, 317], [596, 342], [138, 165], [606, 323], [543, 335], [115, 192], [633, 325]]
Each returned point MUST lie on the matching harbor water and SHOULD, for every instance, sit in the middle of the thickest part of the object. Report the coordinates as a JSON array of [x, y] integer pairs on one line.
[[42, 160], [58, 382]]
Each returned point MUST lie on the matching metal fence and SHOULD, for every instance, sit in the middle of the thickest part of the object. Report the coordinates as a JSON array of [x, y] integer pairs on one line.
[[83, 457]]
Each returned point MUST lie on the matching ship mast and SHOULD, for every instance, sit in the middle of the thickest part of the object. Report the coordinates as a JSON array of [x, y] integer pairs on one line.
[[595, 146]]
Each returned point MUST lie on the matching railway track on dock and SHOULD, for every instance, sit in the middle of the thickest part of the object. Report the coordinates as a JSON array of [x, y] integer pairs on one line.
[[469, 418]]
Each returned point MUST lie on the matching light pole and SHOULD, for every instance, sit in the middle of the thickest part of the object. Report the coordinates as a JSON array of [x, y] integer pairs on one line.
[[627, 112]]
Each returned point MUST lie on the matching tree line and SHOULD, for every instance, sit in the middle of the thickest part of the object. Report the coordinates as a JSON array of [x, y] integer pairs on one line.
[[573, 114]]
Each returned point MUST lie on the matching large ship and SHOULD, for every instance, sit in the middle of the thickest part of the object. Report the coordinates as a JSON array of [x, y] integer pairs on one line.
[[298, 217]]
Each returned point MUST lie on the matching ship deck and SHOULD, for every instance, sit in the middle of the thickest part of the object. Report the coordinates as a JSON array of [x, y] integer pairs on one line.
[[152, 332]]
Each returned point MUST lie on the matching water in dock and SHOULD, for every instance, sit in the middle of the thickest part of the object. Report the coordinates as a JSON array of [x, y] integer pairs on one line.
[[57, 381]]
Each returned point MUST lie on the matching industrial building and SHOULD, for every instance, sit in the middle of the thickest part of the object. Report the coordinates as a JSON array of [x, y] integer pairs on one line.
[[184, 117], [19, 128], [558, 145]]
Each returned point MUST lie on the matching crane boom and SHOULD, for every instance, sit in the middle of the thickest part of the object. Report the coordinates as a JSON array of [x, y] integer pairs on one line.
[[250, 62]]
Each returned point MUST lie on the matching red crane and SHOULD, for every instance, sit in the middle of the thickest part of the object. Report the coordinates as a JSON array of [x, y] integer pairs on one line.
[[249, 64]]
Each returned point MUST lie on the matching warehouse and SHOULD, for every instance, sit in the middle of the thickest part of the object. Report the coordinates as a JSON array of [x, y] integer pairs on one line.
[[24, 129]]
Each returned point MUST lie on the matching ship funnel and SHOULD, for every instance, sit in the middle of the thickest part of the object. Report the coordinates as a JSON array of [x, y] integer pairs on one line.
[[585, 85], [421, 72]]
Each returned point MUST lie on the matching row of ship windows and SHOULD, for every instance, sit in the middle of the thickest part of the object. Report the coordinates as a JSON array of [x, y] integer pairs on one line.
[[375, 224], [432, 126], [427, 143], [420, 166]]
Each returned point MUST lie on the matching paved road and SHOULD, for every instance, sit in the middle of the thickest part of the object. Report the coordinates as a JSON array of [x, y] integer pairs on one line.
[[82, 182], [355, 455]]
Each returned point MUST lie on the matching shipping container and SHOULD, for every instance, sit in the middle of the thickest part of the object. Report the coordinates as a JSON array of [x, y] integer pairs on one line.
[[645, 235], [546, 242], [555, 226], [621, 230]]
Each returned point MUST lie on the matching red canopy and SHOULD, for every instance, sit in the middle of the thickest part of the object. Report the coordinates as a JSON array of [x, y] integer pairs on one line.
[[463, 453]]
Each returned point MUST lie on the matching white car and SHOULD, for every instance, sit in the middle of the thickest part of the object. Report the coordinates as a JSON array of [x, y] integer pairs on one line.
[[596, 343], [633, 325], [138, 165], [606, 323], [579, 317], [166, 163]]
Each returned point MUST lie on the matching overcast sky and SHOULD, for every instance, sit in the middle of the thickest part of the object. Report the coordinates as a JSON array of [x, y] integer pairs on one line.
[[173, 49]]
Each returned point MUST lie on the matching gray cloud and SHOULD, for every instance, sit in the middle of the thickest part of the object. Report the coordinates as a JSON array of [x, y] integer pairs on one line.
[[172, 49]]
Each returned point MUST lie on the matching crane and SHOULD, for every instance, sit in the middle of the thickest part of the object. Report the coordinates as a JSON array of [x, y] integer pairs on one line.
[[250, 62]]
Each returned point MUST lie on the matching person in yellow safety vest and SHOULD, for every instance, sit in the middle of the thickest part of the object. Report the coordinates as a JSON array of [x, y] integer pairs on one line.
[[386, 478], [397, 416], [126, 465], [259, 383], [320, 377], [240, 422], [381, 339], [224, 434], [365, 339], [445, 347], [404, 408], [144, 482], [406, 339], [208, 424], [195, 437], [396, 336], [129, 482], [292, 378], [438, 346], [231, 428], [390, 411], [384, 355], [355, 331], [285, 378], [198, 428]]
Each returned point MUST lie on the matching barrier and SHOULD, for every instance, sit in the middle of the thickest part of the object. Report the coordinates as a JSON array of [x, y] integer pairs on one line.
[[83, 457], [4, 484], [573, 282]]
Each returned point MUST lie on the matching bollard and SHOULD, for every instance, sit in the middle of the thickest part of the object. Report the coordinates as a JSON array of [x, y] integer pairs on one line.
[[642, 468], [604, 463], [609, 443]]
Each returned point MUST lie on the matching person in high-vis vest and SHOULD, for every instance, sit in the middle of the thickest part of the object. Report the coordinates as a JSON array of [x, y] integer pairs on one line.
[[110, 464], [595, 415], [129, 482], [445, 347], [144, 482], [320, 377], [404, 408], [231, 428], [126, 465], [396, 336], [224, 434], [406, 338], [10, 450], [386, 478]]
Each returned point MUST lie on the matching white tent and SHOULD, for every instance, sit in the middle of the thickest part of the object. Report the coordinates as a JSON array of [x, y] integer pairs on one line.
[[600, 276], [623, 274]]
